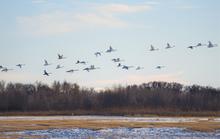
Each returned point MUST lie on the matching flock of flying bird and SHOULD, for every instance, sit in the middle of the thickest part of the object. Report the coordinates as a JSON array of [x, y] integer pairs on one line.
[[115, 60]]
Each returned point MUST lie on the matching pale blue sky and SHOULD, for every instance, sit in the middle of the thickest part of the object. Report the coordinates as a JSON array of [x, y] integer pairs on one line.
[[34, 30]]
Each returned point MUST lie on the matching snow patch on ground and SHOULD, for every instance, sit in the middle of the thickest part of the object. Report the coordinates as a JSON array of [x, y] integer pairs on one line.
[[118, 133]]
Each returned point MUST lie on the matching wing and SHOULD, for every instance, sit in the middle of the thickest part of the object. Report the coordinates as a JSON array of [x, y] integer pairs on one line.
[[60, 56], [45, 61], [45, 72], [151, 47]]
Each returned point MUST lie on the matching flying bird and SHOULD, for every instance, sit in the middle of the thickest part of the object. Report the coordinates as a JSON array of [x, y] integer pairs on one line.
[[211, 45], [117, 60], [46, 73], [190, 47], [92, 67], [59, 67], [80, 62], [46, 63], [110, 50], [61, 56], [126, 67], [72, 70], [20, 65], [194, 46], [139, 68], [199, 44], [160, 67], [98, 54], [6, 69], [169, 46], [87, 69], [119, 65], [152, 48]]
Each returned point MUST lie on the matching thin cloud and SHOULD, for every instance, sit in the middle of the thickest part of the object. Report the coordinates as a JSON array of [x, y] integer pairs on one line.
[[63, 22], [101, 20], [187, 7], [47, 24], [39, 1], [152, 3], [58, 22], [122, 8]]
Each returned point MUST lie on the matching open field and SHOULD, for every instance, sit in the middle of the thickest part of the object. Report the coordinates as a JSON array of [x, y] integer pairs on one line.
[[26, 123]]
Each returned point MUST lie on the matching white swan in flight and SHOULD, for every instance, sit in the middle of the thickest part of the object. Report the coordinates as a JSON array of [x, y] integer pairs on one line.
[[194, 46], [87, 69], [6, 69], [92, 67], [46, 63], [117, 60], [139, 68], [72, 70], [119, 65], [110, 50], [59, 66], [98, 54], [211, 45], [20, 65], [46, 73], [81, 62], [169, 46], [160, 67], [200, 44], [127, 67], [190, 47], [61, 56], [152, 48]]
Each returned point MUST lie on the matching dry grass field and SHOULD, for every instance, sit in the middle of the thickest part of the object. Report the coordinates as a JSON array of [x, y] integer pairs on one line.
[[19, 125]]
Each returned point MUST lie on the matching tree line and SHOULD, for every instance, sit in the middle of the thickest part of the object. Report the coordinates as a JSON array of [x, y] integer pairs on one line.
[[70, 96]]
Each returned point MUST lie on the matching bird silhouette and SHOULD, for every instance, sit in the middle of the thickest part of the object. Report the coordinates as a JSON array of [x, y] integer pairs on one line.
[[87, 69], [139, 68], [72, 70], [81, 62], [126, 67], [20, 65], [190, 47], [6, 69], [194, 46], [160, 67], [211, 45], [46, 73], [46, 63], [92, 67], [61, 56], [110, 50], [117, 60], [152, 48], [119, 65], [59, 67], [169, 46], [199, 44], [98, 54]]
